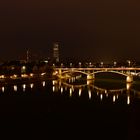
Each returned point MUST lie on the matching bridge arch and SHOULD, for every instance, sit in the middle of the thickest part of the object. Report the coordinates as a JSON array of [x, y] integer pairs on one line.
[[74, 71], [117, 72], [90, 76], [129, 77]]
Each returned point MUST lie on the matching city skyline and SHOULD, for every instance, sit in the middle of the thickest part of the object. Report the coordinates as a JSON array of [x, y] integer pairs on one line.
[[101, 31]]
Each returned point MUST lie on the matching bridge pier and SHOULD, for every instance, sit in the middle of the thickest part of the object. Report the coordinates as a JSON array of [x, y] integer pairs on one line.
[[129, 79], [90, 76], [90, 82]]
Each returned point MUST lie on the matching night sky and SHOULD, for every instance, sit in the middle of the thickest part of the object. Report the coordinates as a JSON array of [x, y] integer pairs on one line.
[[100, 30]]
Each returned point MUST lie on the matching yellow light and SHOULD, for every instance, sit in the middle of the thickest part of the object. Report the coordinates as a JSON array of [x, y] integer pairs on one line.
[[2, 76], [15, 87], [31, 74], [24, 75], [13, 76]]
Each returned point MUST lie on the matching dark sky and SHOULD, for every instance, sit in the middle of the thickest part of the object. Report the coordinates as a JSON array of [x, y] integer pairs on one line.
[[104, 30]]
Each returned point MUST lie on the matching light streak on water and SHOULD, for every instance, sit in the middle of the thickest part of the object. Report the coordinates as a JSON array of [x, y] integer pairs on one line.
[[61, 89], [44, 83], [89, 94], [128, 99], [3, 89], [15, 87], [80, 91], [24, 87], [31, 85], [70, 92], [114, 98], [117, 96], [101, 96], [53, 88]]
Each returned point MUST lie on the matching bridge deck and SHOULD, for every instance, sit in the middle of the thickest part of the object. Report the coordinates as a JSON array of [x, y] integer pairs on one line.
[[103, 69]]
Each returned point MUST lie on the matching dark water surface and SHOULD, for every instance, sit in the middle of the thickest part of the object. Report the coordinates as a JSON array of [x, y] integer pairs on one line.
[[54, 108]]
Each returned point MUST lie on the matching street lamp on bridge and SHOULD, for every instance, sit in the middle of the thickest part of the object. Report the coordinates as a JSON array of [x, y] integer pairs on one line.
[[129, 63], [115, 63]]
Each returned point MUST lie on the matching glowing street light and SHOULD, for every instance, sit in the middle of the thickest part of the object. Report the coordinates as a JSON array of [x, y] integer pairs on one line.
[[129, 62], [62, 64], [102, 63], [115, 63], [70, 64], [80, 64]]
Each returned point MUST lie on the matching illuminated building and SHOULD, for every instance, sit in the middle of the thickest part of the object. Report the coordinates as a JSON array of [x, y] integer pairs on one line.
[[56, 52]]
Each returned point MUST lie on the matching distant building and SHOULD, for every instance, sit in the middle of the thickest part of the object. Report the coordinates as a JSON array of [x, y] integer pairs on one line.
[[56, 52]]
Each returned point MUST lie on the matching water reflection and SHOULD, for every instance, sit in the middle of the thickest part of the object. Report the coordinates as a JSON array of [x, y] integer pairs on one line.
[[61, 89], [114, 98], [93, 90], [53, 88], [24, 87], [43, 83], [88, 90], [70, 92], [3, 89], [15, 87], [31, 85], [101, 96], [128, 99], [89, 94], [80, 91]]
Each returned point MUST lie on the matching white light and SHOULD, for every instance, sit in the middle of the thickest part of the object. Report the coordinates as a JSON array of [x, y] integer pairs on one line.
[[31, 74], [53, 82], [61, 89], [53, 88], [128, 99], [44, 83], [70, 92], [89, 94], [114, 98], [24, 75], [15, 87], [43, 74], [46, 61], [23, 67], [80, 91], [24, 87], [2, 76], [32, 85], [3, 89], [101, 96]]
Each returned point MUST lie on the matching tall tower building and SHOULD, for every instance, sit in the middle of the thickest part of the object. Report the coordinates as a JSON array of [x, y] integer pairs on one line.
[[27, 56], [56, 52]]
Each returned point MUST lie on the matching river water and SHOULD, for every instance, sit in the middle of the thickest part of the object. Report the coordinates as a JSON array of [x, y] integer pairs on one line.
[[87, 109]]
